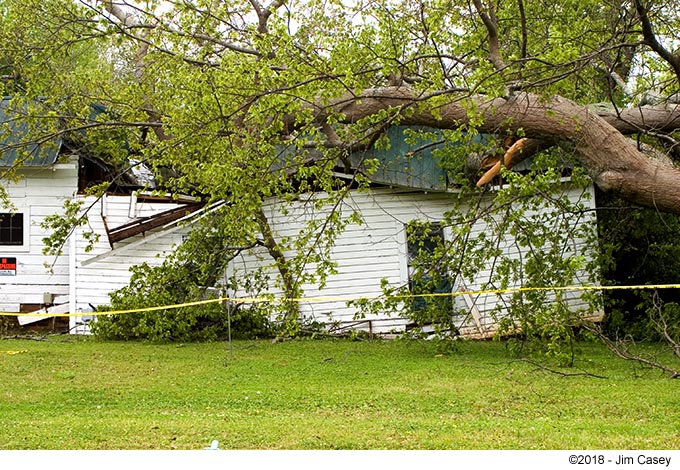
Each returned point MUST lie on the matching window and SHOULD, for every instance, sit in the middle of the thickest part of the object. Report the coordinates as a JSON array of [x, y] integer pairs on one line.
[[427, 269], [11, 229]]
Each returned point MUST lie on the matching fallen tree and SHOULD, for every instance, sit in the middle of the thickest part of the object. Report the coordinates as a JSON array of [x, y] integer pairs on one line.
[[207, 93]]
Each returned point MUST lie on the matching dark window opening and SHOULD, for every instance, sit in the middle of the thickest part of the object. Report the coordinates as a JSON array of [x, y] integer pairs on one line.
[[427, 270], [12, 229]]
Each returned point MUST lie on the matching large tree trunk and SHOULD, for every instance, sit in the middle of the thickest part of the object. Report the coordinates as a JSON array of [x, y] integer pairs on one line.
[[598, 137]]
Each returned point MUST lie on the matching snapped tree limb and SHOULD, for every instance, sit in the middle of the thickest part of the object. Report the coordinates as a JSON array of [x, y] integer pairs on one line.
[[599, 138]]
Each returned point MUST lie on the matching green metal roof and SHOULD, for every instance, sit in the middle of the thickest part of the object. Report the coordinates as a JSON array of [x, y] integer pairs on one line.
[[405, 163], [16, 145], [409, 160]]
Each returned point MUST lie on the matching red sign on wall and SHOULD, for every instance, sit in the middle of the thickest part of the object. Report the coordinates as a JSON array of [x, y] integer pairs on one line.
[[8, 266]]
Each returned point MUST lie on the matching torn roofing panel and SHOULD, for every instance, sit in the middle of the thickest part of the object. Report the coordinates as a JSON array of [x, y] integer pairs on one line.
[[16, 147], [145, 224]]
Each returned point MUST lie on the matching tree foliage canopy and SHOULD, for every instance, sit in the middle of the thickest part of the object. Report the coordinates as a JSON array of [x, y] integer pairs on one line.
[[210, 91], [242, 100]]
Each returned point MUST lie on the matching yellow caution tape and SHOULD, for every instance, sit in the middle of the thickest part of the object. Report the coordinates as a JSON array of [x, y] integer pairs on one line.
[[254, 300], [12, 353]]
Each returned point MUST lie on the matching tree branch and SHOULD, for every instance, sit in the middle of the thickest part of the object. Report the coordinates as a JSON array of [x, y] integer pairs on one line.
[[290, 287], [523, 24], [130, 21], [652, 41], [563, 374], [613, 163], [621, 350], [508, 160], [127, 18], [490, 22], [263, 13]]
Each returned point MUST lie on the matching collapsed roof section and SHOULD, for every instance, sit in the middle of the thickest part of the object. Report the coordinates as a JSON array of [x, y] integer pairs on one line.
[[141, 225], [19, 147]]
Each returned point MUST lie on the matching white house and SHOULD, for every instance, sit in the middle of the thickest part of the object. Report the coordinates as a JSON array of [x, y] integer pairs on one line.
[[135, 227], [132, 229], [26, 284], [409, 185], [377, 251]]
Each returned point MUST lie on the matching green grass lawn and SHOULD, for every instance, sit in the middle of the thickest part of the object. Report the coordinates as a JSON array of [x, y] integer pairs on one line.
[[78, 393]]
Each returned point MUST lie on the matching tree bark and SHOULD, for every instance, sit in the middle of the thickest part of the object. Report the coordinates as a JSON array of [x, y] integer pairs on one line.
[[598, 137], [290, 288]]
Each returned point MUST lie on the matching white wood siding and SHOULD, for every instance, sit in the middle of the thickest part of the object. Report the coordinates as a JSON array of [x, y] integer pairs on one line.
[[40, 192], [103, 269], [368, 253]]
